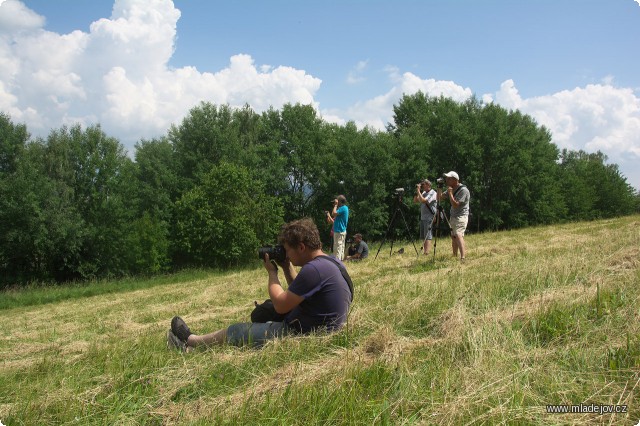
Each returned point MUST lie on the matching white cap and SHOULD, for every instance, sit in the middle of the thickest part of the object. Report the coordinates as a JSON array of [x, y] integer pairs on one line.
[[452, 174]]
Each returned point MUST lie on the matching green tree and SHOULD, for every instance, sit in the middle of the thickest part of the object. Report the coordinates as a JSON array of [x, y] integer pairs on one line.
[[13, 139], [100, 179], [305, 151], [506, 159], [157, 189], [40, 229], [361, 167], [156, 178], [42, 233], [265, 160], [438, 133], [515, 176], [205, 137], [222, 221], [593, 189], [148, 245]]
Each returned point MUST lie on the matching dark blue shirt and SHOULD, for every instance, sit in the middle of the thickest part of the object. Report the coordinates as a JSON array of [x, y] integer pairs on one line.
[[326, 297]]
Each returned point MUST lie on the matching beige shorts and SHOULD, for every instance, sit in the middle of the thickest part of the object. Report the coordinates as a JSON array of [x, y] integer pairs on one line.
[[458, 226]]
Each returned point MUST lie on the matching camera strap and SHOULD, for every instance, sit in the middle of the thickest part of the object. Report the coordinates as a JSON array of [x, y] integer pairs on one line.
[[343, 271], [458, 189], [429, 205]]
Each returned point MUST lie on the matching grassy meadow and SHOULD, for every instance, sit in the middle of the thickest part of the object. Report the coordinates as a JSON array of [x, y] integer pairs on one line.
[[539, 316]]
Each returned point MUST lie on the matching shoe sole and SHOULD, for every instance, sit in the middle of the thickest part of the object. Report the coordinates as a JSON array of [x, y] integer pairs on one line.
[[174, 343]]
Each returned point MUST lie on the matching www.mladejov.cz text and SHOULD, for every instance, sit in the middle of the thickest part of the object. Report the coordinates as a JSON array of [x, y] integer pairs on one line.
[[586, 409]]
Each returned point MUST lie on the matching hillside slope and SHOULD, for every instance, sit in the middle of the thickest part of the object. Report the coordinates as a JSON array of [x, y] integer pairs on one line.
[[539, 316]]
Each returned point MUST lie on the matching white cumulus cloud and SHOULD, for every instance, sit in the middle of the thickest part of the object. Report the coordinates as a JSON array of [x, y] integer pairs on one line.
[[378, 111], [596, 117], [117, 74], [16, 17]]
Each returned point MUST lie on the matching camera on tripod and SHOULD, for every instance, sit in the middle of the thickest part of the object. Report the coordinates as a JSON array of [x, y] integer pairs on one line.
[[399, 204], [440, 182]]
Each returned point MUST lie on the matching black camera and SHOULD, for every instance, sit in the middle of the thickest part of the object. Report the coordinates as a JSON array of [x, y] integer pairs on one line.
[[440, 181], [276, 253], [399, 191]]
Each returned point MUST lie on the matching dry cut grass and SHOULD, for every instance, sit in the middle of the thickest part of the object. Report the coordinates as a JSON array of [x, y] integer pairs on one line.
[[539, 316]]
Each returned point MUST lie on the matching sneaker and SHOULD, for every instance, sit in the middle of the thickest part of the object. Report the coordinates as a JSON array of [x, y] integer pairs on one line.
[[174, 343], [179, 329]]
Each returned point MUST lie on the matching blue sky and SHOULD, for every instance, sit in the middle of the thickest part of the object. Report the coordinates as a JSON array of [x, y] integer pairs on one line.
[[137, 66]]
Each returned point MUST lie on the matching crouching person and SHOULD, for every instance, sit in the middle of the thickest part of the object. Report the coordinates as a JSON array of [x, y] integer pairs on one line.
[[317, 298], [360, 249]]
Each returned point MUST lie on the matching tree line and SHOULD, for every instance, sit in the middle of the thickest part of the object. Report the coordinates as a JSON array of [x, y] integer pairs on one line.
[[75, 206]]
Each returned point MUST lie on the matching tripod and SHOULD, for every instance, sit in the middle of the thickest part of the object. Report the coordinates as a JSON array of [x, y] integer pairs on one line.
[[397, 210], [437, 224]]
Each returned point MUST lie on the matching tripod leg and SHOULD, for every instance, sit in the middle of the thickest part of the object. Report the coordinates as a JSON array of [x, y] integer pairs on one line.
[[435, 221], [386, 235], [409, 233]]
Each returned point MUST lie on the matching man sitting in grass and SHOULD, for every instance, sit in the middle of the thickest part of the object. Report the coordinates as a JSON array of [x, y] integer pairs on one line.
[[317, 297], [360, 249]]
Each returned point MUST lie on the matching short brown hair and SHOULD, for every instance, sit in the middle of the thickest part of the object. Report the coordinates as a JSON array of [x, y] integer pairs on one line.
[[300, 231]]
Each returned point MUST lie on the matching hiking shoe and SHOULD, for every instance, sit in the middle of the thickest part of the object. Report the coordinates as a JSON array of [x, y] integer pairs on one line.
[[174, 343], [179, 329]]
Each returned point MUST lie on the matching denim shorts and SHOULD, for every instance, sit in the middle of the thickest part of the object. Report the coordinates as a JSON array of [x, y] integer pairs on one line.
[[256, 333]]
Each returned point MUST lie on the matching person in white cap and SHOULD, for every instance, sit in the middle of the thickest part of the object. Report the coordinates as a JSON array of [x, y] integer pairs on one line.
[[458, 196]]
